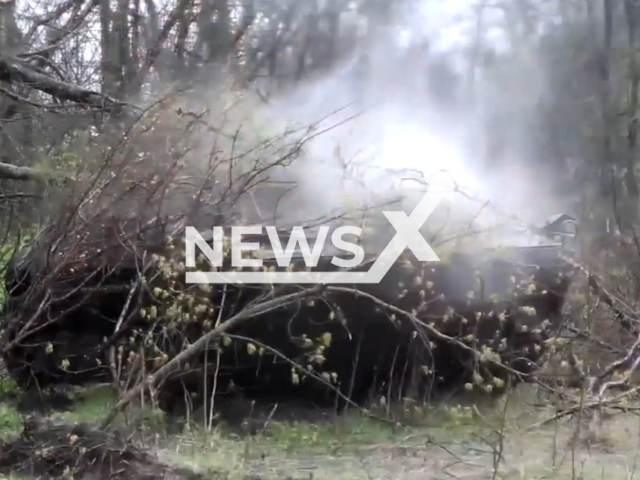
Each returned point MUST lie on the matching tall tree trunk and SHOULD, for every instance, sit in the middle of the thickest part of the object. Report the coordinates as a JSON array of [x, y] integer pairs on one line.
[[135, 42], [108, 55], [309, 35], [10, 39], [607, 164], [632, 13], [123, 47], [477, 50]]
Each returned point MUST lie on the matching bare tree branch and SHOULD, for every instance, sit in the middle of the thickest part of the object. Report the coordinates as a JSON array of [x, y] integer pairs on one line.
[[14, 71], [14, 172], [202, 342]]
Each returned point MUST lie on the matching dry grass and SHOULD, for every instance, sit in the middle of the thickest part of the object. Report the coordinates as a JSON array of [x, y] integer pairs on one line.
[[463, 440], [477, 439]]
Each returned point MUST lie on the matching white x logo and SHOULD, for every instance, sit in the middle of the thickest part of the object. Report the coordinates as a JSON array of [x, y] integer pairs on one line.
[[407, 236], [408, 230]]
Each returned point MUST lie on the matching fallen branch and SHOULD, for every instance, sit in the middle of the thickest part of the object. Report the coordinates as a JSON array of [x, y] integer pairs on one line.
[[624, 313], [595, 387], [15, 71], [599, 383], [586, 406], [14, 172]]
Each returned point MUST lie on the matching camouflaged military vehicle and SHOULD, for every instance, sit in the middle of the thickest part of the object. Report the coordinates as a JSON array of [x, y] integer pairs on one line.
[[425, 325]]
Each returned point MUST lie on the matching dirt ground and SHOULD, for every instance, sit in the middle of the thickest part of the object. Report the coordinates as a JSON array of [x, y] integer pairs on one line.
[[468, 439]]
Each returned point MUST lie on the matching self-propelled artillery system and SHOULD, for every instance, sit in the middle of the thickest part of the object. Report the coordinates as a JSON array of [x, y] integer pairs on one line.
[[487, 304]]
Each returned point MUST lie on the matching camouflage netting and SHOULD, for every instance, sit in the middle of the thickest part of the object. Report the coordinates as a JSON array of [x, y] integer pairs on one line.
[[127, 302]]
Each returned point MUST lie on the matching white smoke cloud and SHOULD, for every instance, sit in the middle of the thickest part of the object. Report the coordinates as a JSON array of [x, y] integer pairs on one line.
[[391, 131]]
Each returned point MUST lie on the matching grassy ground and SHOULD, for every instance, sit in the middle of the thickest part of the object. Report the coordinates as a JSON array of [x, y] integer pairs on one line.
[[475, 440]]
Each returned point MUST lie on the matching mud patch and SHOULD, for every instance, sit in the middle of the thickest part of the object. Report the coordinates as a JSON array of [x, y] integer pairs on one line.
[[46, 451]]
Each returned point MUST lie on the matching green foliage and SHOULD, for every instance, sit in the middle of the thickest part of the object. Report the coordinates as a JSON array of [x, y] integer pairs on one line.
[[10, 421], [7, 385], [7, 250]]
